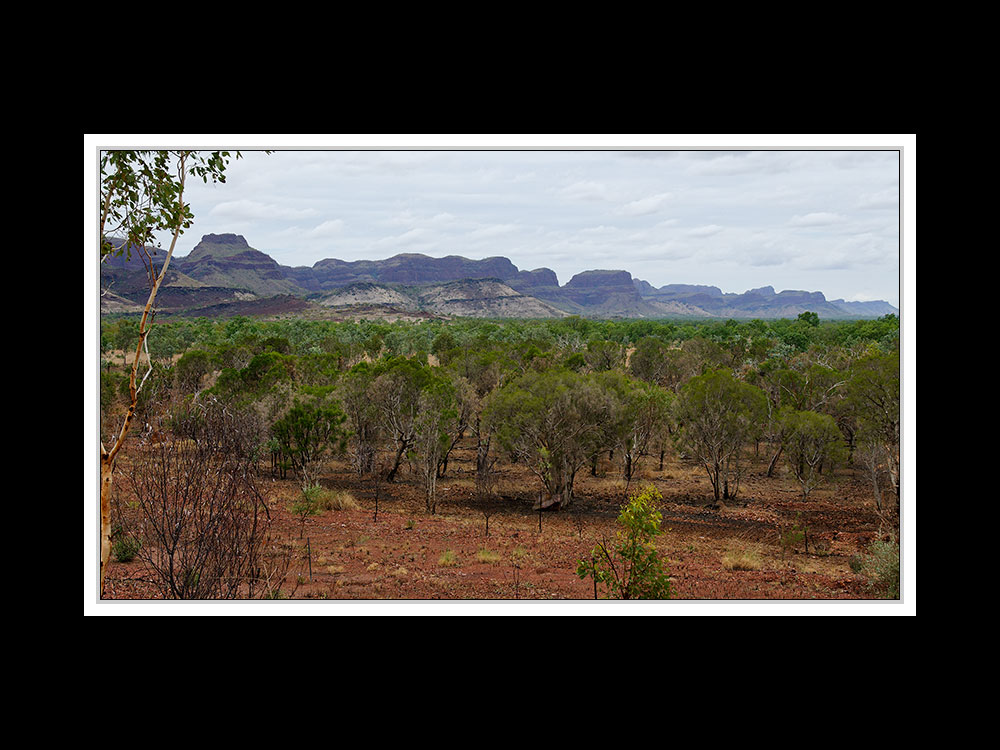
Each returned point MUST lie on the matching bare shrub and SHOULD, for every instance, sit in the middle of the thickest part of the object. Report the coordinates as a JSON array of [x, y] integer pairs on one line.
[[198, 511]]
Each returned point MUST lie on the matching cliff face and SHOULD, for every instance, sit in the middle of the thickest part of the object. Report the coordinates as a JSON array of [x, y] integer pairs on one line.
[[540, 279], [421, 269], [606, 293], [226, 260], [223, 270], [407, 268]]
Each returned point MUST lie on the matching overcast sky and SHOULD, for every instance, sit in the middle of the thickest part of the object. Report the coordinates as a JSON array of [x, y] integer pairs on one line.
[[819, 220]]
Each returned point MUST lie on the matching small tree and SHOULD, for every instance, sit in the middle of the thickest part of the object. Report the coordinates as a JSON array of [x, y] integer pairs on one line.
[[812, 442], [431, 434], [395, 392], [639, 412], [553, 421], [873, 394], [357, 399], [719, 416], [309, 503], [632, 569], [307, 431]]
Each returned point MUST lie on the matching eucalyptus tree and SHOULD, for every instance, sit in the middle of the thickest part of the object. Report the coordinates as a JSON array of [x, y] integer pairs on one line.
[[814, 445], [485, 368], [649, 360], [602, 355], [433, 427], [552, 421], [873, 394], [143, 193], [639, 413], [354, 392], [719, 416], [799, 384], [395, 392], [125, 335]]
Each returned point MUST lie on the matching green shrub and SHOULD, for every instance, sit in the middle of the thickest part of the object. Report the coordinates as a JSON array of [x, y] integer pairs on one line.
[[309, 503], [790, 536], [631, 569], [857, 563], [125, 547], [881, 567]]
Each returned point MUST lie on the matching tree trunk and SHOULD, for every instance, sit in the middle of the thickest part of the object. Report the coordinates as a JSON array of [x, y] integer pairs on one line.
[[107, 474], [391, 476], [108, 457], [774, 461]]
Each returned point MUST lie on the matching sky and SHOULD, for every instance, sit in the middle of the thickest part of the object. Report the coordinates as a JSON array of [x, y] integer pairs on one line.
[[792, 218]]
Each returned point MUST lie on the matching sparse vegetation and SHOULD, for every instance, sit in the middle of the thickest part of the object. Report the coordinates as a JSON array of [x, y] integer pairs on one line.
[[452, 430]]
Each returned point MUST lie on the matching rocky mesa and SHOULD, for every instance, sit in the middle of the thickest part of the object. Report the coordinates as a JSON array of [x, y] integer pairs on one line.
[[223, 271]]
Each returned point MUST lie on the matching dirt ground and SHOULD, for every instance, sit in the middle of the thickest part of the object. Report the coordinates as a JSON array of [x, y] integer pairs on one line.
[[715, 553]]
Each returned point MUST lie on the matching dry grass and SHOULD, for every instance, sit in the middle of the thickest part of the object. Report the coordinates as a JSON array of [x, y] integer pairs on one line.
[[743, 555], [448, 559], [338, 500], [488, 556]]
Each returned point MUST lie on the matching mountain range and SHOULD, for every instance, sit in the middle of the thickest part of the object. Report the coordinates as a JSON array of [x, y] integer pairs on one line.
[[224, 276]]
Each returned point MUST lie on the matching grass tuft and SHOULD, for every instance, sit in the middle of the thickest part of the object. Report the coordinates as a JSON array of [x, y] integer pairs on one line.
[[742, 556], [488, 556]]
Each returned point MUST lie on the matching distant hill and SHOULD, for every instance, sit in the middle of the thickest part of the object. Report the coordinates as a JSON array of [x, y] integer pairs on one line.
[[224, 275]]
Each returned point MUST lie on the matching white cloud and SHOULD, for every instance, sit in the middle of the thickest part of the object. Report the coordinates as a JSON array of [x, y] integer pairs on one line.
[[494, 230], [818, 219], [883, 199], [250, 210], [406, 238], [732, 163], [648, 205], [328, 228], [587, 190], [706, 231]]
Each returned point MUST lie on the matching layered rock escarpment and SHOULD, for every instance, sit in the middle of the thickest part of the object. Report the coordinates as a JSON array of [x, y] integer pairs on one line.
[[224, 269]]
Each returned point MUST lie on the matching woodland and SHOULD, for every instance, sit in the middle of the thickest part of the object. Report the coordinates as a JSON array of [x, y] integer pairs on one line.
[[264, 446]]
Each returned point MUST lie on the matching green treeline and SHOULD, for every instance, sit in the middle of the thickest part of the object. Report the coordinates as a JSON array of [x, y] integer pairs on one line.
[[551, 394]]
